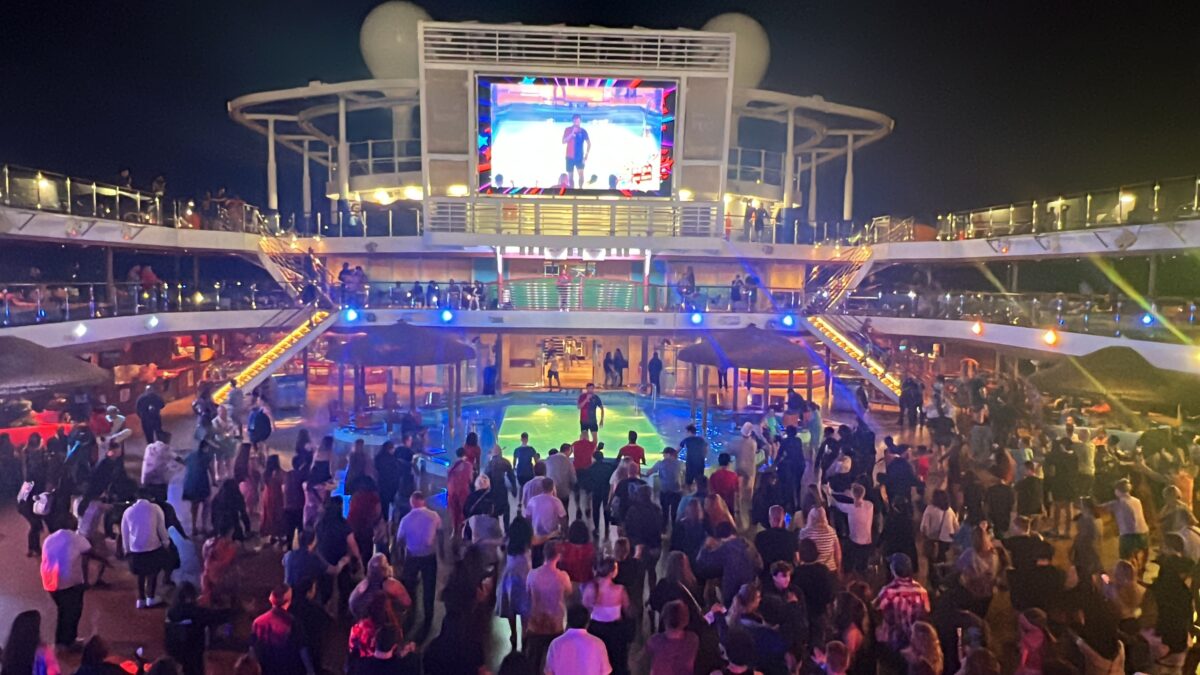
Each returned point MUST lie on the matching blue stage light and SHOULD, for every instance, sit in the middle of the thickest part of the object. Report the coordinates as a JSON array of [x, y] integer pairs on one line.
[[697, 318], [447, 316], [788, 320], [1147, 319], [350, 314]]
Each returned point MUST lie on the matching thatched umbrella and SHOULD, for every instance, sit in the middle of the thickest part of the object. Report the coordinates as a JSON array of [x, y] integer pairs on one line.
[[750, 347], [1121, 375], [403, 344], [29, 368]]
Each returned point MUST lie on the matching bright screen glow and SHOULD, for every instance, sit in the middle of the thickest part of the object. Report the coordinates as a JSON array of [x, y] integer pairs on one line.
[[575, 135]]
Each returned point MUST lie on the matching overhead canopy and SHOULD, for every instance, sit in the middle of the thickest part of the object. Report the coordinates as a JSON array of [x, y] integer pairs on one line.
[[1120, 374], [404, 344], [748, 347], [29, 368]]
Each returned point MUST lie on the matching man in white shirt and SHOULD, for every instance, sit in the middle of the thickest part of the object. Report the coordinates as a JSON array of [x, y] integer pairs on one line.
[[144, 537], [546, 511], [561, 470], [419, 536], [63, 578], [159, 466], [577, 652], [548, 588], [861, 514], [1134, 539]]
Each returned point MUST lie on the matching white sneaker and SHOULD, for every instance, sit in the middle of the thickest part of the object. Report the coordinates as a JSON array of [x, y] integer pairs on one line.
[[153, 602], [141, 604]]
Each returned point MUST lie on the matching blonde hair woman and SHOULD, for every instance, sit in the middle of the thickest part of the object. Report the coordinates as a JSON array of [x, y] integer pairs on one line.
[[924, 652]]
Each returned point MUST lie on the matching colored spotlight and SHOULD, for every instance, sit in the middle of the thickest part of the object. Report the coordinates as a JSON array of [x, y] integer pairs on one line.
[[1147, 319], [977, 328], [350, 314], [152, 322], [79, 331], [447, 316], [1050, 337], [697, 318], [788, 320]]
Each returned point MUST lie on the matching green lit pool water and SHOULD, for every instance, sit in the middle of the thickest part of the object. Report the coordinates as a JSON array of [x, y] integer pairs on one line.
[[551, 425]]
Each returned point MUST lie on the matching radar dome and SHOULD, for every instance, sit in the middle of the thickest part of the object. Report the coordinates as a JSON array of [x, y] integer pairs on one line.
[[753, 46], [388, 40]]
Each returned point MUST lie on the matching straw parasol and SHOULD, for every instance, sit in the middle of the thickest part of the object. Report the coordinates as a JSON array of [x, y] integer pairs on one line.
[[1120, 374], [403, 344], [29, 368], [748, 347]]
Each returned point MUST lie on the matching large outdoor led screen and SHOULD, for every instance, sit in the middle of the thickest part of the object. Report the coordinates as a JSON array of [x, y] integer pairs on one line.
[[575, 135]]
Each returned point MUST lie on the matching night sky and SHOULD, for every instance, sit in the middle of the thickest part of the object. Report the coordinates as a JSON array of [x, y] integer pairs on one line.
[[993, 101]]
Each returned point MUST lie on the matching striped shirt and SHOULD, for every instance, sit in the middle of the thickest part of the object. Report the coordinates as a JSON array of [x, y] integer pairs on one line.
[[826, 540]]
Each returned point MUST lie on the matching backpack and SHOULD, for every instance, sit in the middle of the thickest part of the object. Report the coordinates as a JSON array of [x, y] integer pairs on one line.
[[259, 425]]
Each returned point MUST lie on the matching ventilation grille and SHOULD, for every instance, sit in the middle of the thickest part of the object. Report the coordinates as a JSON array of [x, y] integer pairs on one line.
[[481, 44]]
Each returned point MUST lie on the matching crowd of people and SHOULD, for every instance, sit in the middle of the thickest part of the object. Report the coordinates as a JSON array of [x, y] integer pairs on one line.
[[806, 547]]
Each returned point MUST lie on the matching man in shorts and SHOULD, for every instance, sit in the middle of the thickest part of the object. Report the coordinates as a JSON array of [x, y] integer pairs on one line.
[[588, 404], [578, 146]]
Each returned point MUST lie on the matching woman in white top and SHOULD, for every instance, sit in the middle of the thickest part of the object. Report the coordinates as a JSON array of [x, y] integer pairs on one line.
[[939, 523], [227, 436], [609, 604]]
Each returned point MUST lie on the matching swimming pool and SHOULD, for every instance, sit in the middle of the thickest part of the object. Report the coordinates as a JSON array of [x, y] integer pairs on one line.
[[551, 425]]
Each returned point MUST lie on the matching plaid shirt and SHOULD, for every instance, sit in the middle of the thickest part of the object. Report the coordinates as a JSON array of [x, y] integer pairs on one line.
[[902, 603]]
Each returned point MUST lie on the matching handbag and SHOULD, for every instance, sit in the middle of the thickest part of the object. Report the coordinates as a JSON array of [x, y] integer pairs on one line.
[[42, 504]]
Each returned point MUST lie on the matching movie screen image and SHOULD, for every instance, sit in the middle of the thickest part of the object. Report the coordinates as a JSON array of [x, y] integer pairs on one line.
[[573, 135]]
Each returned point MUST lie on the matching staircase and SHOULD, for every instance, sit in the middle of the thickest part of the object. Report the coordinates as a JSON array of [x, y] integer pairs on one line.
[[856, 356], [286, 266], [835, 285]]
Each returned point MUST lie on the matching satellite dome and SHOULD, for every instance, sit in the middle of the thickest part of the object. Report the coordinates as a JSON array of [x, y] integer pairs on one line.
[[388, 40], [753, 46]]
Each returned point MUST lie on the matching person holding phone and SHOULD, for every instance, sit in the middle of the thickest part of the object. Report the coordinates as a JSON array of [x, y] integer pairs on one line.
[[589, 403]]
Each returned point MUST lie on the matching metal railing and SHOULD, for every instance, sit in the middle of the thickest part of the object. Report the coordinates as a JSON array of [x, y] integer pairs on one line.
[[26, 304], [545, 294], [1150, 202], [749, 165], [538, 216], [25, 188], [383, 156], [1162, 319]]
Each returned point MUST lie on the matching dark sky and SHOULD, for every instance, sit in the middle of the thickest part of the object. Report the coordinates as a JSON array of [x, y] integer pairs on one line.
[[994, 101]]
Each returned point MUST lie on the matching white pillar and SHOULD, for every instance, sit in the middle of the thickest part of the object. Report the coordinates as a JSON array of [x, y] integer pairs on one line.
[[306, 187], [848, 190], [812, 191], [272, 172], [789, 159], [343, 153]]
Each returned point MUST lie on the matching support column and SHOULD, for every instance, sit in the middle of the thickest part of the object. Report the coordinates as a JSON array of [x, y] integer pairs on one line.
[[737, 378], [306, 189], [1014, 280], [812, 191], [341, 380], [789, 162], [458, 394], [704, 408], [791, 379], [304, 365], [499, 278], [828, 377], [692, 396], [343, 154], [645, 375], [808, 385], [272, 169], [195, 273], [1152, 277], [500, 364], [848, 187], [110, 283], [412, 388], [646, 279], [766, 390]]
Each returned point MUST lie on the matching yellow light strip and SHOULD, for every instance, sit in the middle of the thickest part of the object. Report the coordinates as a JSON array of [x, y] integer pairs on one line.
[[266, 358]]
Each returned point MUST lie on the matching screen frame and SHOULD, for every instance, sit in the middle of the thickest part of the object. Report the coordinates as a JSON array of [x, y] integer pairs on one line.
[[483, 137]]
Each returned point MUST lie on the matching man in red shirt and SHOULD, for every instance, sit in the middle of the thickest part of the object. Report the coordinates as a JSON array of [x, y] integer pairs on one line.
[[588, 404], [633, 451], [724, 482], [582, 456]]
